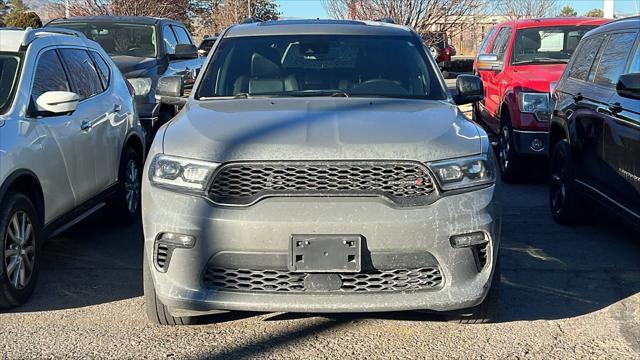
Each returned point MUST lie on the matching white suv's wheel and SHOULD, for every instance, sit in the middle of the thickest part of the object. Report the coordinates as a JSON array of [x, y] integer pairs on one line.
[[125, 206], [19, 235]]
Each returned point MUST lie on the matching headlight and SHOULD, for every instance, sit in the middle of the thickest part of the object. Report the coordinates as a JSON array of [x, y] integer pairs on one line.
[[535, 103], [181, 174], [141, 86], [464, 172]]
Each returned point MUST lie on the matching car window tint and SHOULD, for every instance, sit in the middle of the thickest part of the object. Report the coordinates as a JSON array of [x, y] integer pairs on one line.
[[635, 62], [82, 72], [485, 42], [169, 39], [183, 36], [49, 75], [103, 69], [614, 58], [499, 47], [583, 58]]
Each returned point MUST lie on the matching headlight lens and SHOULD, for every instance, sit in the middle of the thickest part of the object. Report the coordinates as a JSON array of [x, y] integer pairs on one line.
[[141, 86], [464, 172], [180, 173], [535, 103]]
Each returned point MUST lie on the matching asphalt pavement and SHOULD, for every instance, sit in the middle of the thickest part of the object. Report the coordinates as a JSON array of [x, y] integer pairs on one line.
[[566, 293]]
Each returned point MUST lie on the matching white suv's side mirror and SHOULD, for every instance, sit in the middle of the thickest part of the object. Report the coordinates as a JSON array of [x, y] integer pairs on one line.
[[57, 102]]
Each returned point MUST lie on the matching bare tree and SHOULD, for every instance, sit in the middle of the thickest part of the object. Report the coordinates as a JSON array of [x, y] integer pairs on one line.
[[213, 16], [527, 9], [423, 15], [175, 9]]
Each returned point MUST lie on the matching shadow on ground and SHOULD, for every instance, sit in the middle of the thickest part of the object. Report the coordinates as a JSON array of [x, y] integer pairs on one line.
[[92, 263]]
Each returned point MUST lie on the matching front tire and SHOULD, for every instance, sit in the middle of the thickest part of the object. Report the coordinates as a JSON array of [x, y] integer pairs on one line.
[[156, 311], [486, 311], [125, 206], [565, 202], [20, 239], [508, 158]]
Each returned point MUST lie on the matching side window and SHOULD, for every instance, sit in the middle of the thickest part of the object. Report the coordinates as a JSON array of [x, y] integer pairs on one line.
[[485, 42], [635, 62], [614, 58], [82, 72], [49, 75], [103, 69], [583, 58], [169, 39], [183, 35], [499, 47]]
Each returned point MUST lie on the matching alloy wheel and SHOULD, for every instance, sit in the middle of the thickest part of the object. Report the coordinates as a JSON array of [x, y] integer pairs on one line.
[[558, 184], [132, 186], [19, 250], [505, 148]]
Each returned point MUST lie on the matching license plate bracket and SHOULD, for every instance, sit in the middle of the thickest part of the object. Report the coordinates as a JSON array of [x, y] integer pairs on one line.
[[325, 253]]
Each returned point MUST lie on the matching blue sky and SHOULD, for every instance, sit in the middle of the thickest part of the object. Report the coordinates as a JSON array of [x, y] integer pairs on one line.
[[314, 9]]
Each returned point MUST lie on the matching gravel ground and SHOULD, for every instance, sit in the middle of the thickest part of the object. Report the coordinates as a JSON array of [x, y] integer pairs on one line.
[[565, 293]]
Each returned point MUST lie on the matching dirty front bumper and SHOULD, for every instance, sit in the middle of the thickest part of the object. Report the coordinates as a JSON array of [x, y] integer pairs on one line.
[[251, 243]]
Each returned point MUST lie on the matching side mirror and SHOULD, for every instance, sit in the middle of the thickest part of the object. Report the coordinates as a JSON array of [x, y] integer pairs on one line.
[[203, 52], [470, 89], [57, 102], [170, 90], [629, 86], [185, 51], [489, 62]]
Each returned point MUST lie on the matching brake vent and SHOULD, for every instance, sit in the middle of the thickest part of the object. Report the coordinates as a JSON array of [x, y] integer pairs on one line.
[[481, 253], [162, 257]]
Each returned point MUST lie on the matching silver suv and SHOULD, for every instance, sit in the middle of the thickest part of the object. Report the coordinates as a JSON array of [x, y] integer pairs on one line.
[[320, 166], [70, 142]]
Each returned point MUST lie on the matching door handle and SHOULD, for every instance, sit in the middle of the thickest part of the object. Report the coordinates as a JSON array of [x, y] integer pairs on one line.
[[615, 108], [578, 97], [86, 125], [117, 108]]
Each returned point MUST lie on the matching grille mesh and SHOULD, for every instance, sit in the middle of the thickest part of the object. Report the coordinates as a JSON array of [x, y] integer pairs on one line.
[[285, 281], [242, 184], [482, 255]]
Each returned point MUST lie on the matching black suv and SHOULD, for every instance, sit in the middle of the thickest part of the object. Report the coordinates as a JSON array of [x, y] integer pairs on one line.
[[144, 49], [595, 129]]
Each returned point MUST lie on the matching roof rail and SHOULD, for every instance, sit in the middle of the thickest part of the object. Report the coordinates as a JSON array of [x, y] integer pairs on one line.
[[250, 20], [386, 19], [31, 34]]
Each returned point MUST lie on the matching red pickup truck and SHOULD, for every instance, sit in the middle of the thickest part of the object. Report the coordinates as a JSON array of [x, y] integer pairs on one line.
[[519, 62]]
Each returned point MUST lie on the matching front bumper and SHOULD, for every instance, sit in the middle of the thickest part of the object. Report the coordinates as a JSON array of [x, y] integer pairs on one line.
[[257, 237], [531, 143]]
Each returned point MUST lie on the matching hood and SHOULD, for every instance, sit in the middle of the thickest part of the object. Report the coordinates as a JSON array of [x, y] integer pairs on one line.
[[321, 129], [536, 77], [133, 66]]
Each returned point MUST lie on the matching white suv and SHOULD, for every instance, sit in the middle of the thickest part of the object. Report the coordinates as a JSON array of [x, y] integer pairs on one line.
[[70, 143]]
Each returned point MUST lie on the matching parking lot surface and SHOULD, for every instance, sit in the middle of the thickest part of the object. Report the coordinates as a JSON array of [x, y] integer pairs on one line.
[[565, 293]]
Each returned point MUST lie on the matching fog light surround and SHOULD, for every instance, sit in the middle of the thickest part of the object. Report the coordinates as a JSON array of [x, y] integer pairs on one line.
[[177, 240], [469, 239], [537, 144]]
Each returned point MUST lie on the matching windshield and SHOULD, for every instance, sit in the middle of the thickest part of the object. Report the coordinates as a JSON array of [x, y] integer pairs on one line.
[[547, 45], [318, 65], [120, 39], [8, 76]]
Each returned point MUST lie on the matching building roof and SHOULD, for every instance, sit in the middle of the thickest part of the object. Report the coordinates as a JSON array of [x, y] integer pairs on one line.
[[318, 27], [557, 21]]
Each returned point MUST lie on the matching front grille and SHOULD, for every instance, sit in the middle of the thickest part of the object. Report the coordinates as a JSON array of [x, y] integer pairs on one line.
[[284, 281], [405, 183]]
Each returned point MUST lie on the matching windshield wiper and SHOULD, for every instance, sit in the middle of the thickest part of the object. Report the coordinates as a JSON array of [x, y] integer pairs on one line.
[[541, 61]]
